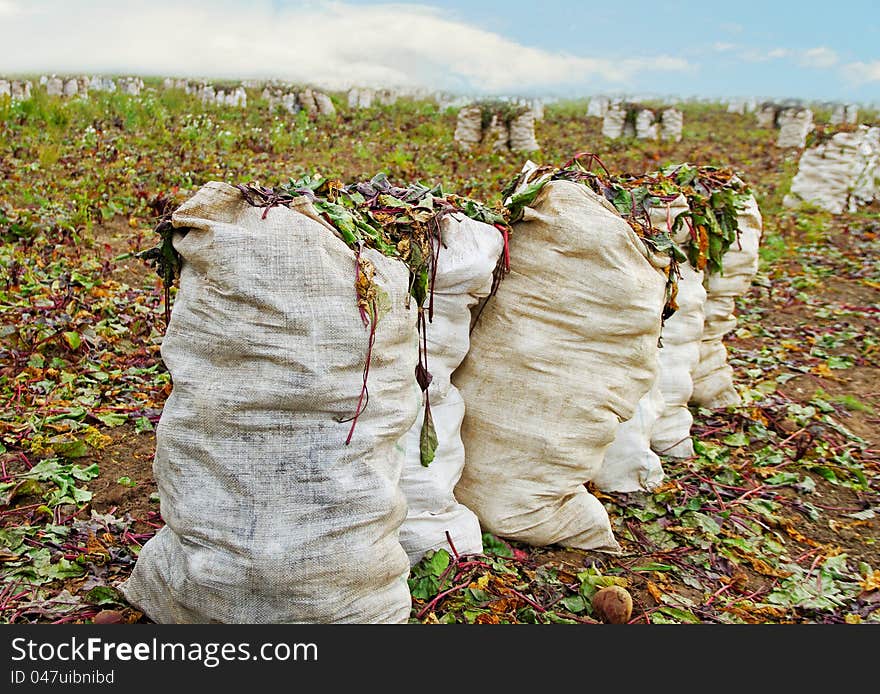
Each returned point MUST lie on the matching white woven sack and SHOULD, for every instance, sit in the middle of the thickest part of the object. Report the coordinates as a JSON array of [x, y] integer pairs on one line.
[[646, 125], [829, 174], [867, 186], [467, 258], [324, 104], [522, 133], [630, 465], [794, 126], [560, 355], [365, 98], [679, 355], [469, 127], [307, 102], [766, 116], [271, 517], [537, 109], [713, 376], [680, 351], [497, 135], [671, 124], [613, 122], [596, 107], [54, 86]]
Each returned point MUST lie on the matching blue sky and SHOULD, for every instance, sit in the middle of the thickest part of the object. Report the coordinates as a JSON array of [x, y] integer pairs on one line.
[[542, 47]]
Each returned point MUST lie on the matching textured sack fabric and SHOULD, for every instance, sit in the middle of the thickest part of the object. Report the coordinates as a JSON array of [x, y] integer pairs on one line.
[[131, 85], [766, 116], [794, 126], [71, 88], [19, 90], [597, 106], [360, 98], [559, 357], [844, 113], [467, 258], [671, 123], [838, 174], [324, 104], [270, 517], [537, 110], [713, 376], [54, 86], [646, 125], [613, 121], [680, 352], [497, 135], [522, 133], [237, 98], [681, 338], [307, 103], [469, 127], [630, 465], [867, 186]]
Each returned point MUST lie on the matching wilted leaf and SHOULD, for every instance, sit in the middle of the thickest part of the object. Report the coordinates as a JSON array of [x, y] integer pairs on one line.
[[103, 595], [574, 603], [112, 420], [22, 488], [427, 440], [679, 614], [738, 439]]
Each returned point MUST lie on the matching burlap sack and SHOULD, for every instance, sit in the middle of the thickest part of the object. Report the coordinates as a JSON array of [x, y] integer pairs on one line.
[[671, 124], [559, 357], [833, 175], [713, 376], [465, 263], [469, 127], [646, 125], [522, 133], [271, 517], [613, 122]]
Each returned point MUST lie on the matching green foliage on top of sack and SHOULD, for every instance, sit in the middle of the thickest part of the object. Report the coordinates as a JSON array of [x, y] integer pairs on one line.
[[632, 198], [399, 221], [715, 198], [503, 111]]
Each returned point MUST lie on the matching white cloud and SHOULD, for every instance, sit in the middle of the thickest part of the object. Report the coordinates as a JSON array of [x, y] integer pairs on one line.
[[820, 57], [331, 44], [9, 8], [723, 46], [859, 73], [754, 55]]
